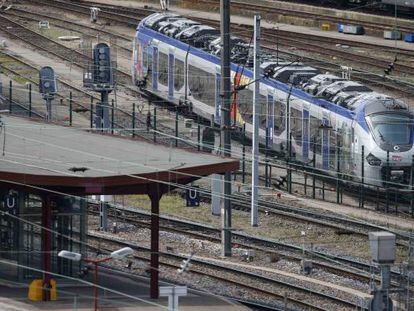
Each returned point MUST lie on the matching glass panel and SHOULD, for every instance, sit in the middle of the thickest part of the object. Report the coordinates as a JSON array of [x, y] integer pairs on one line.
[[202, 84], [178, 74], [315, 134], [296, 127], [280, 117], [392, 128], [163, 69]]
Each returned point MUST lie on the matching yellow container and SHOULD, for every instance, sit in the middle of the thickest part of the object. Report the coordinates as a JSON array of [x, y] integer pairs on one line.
[[53, 290], [36, 290], [326, 27]]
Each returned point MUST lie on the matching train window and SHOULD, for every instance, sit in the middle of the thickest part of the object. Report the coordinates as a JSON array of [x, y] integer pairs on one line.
[[145, 58], [296, 125], [163, 68], [280, 117], [245, 103], [178, 74], [315, 134], [202, 85]]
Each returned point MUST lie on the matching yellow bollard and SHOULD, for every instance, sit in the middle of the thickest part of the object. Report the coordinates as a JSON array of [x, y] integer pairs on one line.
[[53, 290], [36, 290]]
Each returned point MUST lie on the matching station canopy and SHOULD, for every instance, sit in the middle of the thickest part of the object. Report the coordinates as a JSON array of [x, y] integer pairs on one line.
[[76, 161]]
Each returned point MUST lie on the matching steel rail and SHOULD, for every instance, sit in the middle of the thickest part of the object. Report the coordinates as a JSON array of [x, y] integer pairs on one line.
[[354, 268], [214, 266]]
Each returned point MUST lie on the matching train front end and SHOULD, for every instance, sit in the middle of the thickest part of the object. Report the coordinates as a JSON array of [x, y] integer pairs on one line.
[[389, 157]]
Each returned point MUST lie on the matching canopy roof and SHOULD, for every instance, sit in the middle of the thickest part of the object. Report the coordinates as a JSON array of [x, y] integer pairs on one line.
[[77, 161]]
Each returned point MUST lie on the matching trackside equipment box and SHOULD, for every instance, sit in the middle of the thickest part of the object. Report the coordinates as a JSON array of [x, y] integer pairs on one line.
[[382, 247]]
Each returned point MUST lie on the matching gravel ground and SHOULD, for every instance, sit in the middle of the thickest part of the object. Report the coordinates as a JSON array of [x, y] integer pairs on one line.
[[180, 244]]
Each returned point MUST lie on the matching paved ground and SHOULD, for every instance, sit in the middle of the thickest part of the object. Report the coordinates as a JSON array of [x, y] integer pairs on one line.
[[13, 297]]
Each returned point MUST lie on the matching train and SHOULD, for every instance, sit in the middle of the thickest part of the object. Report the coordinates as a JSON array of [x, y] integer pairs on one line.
[[317, 118]]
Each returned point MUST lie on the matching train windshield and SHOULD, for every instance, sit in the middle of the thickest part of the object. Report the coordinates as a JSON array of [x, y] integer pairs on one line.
[[392, 128]]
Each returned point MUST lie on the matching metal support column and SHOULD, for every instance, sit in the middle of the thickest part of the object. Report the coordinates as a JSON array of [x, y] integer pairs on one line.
[[104, 111], [155, 124], [155, 197], [387, 178], [30, 100], [225, 122], [112, 116], [256, 111], [314, 169], [176, 128], [46, 245], [198, 133], [244, 154], [70, 109], [338, 173], [133, 119], [361, 196], [91, 110], [10, 95], [266, 158]]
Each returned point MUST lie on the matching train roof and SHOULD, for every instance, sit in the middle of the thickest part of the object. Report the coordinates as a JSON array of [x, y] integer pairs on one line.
[[337, 90]]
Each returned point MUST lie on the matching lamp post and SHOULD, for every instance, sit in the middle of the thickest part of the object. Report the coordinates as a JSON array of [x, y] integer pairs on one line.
[[118, 254]]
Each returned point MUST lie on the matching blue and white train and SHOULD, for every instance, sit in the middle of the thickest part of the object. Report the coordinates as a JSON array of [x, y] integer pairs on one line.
[[178, 60]]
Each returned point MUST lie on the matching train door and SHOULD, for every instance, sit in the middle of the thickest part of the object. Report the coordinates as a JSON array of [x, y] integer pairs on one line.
[[154, 66], [217, 111], [270, 119], [325, 142], [171, 63], [305, 136]]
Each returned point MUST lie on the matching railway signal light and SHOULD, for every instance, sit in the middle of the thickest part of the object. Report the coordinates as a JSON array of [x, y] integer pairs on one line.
[[103, 73], [47, 82]]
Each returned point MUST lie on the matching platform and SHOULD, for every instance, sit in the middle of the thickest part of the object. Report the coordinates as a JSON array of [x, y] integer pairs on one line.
[[13, 297]]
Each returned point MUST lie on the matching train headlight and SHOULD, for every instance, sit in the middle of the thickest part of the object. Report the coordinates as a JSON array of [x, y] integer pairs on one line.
[[373, 160]]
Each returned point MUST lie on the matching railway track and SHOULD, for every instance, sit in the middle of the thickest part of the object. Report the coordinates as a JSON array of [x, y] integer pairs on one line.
[[17, 31], [121, 11], [300, 297], [342, 266], [312, 43]]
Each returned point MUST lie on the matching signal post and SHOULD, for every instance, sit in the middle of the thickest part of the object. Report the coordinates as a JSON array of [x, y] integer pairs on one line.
[[100, 78]]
